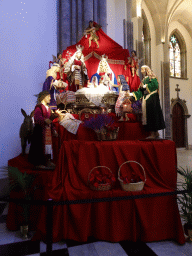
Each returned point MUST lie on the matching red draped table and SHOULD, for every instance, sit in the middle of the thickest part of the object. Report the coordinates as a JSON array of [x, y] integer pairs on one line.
[[131, 130], [148, 219]]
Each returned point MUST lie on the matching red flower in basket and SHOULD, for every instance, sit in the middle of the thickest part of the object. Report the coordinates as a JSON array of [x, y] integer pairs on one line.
[[101, 178], [134, 178], [91, 178], [131, 180], [113, 179], [96, 184]]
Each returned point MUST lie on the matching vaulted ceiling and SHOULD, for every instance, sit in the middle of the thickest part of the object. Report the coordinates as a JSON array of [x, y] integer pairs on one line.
[[163, 12]]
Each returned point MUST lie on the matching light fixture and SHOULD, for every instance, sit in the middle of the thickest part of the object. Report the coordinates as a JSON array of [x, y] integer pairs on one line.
[[139, 10], [162, 40]]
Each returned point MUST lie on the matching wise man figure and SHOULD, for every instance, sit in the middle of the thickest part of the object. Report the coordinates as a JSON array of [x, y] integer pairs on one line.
[[76, 70]]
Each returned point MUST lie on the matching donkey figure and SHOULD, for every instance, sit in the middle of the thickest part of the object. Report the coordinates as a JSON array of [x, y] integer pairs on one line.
[[26, 130]]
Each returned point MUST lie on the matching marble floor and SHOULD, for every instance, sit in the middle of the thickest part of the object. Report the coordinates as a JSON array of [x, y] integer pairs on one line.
[[11, 243]]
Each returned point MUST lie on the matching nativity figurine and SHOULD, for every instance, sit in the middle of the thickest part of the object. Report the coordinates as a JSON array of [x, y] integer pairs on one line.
[[91, 30], [76, 70]]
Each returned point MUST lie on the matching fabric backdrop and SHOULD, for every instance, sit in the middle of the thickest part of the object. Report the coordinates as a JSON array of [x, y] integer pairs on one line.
[[116, 54], [149, 219]]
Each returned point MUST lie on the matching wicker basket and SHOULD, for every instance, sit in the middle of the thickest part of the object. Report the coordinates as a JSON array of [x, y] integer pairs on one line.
[[137, 186], [101, 187]]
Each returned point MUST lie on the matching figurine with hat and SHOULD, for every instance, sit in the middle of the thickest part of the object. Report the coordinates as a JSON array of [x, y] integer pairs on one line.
[[40, 153]]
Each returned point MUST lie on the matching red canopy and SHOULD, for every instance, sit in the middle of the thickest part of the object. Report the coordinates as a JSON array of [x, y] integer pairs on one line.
[[117, 56]]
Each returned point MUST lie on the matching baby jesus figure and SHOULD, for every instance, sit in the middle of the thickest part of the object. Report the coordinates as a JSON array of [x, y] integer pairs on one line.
[[68, 121], [93, 83]]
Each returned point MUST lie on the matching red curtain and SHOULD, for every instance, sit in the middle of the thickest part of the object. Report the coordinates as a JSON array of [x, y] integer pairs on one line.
[[149, 219]]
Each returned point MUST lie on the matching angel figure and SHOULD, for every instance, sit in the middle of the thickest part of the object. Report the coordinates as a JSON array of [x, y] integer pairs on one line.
[[134, 63], [93, 27]]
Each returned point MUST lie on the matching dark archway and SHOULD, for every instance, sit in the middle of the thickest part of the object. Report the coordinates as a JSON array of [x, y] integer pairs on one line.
[[178, 126], [179, 115]]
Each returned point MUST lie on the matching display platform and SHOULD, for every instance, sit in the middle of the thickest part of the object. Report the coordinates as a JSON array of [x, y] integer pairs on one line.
[[130, 130], [148, 219]]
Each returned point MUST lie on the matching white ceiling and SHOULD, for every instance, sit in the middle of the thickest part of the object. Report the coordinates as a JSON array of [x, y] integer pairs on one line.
[[164, 12]]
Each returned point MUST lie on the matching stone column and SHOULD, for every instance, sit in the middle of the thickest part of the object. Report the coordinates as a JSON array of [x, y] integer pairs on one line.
[[58, 26], [65, 27], [129, 10], [166, 74], [128, 27], [166, 100], [137, 35], [147, 45], [79, 20], [88, 13], [74, 21], [129, 36], [95, 11], [102, 5], [125, 33], [137, 32], [186, 132]]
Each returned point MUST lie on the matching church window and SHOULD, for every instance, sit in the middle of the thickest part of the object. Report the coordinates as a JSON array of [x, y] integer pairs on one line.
[[175, 57]]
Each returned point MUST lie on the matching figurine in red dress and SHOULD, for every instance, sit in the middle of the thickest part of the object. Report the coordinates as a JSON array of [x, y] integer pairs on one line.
[[40, 153], [134, 68]]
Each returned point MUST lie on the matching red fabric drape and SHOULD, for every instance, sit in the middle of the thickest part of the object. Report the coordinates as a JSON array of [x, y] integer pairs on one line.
[[149, 219], [131, 130]]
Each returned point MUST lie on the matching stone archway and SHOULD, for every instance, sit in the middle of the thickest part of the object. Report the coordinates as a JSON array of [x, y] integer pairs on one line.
[[179, 115]]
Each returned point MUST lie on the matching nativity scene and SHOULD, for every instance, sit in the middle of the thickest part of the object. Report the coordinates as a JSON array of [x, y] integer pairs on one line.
[[89, 71], [94, 112]]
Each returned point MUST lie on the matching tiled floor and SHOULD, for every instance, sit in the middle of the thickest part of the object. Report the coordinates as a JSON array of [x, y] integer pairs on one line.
[[11, 243]]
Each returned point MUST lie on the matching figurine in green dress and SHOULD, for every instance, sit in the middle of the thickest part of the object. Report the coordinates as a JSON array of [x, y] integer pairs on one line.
[[152, 116]]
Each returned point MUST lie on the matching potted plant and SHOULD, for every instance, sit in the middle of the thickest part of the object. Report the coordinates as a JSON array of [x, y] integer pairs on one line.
[[4, 188], [23, 182], [185, 200], [4, 183]]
